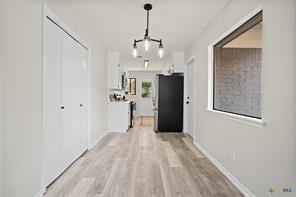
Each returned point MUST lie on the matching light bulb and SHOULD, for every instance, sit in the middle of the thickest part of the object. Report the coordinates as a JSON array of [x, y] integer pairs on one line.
[[146, 44], [135, 52], [160, 52]]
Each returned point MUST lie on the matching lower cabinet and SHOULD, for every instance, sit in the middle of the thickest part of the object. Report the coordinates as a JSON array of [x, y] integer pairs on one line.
[[65, 134], [118, 116]]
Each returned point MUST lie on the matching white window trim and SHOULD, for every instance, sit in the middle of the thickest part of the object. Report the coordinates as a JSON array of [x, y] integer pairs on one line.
[[239, 118], [210, 108]]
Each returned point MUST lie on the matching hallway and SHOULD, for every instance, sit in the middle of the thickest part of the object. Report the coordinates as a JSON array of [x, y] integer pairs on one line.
[[141, 163], [219, 73]]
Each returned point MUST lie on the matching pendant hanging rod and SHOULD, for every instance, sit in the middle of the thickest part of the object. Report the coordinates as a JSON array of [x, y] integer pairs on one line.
[[147, 7], [147, 28]]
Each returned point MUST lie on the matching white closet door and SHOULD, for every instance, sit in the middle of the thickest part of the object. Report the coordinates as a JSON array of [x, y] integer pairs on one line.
[[83, 100], [51, 102], [65, 92], [71, 97]]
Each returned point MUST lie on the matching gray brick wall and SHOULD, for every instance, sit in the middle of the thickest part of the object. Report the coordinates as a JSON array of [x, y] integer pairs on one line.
[[238, 81]]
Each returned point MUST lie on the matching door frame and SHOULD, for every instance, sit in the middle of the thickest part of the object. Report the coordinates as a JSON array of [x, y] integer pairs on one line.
[[140, 99], [192, 60], [64, 27]]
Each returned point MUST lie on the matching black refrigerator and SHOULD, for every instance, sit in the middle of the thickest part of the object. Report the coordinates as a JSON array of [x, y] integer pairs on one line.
[[168, 103]]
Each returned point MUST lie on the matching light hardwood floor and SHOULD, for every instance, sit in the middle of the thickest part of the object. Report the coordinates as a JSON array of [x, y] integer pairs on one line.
[[142, 163]]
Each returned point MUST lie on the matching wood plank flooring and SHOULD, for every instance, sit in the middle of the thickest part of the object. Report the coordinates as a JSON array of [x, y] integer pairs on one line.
[[141, 163]]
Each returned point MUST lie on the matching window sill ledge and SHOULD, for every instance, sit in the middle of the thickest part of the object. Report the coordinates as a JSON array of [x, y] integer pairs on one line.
[[242, 119]]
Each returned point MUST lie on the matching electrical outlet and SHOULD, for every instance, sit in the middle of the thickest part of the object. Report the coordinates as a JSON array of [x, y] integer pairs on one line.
[[233, 154]]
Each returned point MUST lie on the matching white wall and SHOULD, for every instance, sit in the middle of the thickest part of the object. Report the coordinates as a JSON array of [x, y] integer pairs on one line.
[[21, 96], [265, 157], [1, 123], [144, 106], [98, 66]]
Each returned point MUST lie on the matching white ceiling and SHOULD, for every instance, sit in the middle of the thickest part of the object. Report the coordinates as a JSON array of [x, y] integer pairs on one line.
[[118, 22], [250, 39]]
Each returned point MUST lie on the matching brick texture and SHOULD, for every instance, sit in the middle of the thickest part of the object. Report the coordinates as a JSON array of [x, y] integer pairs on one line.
[[238, 81]]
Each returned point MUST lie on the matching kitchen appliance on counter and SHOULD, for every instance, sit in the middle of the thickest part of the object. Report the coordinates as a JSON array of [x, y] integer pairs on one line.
[[168, 103], [117, 97]]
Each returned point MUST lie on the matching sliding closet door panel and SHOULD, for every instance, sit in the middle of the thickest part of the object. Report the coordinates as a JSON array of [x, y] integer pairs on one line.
[[83, 99], [51, 102], [71, 120]]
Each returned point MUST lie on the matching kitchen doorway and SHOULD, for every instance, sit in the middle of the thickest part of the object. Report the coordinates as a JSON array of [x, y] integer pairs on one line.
[[145, 105]]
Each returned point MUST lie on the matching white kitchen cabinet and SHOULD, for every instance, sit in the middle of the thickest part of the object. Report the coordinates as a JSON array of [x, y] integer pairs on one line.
[[118, 116], [115, 71], [120, 74]]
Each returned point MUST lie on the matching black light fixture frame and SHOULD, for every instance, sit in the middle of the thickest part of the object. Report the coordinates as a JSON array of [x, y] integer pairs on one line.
[[148, 7]]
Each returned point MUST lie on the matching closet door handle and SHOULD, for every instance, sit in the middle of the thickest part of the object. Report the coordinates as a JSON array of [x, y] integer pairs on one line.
[[62, 107]]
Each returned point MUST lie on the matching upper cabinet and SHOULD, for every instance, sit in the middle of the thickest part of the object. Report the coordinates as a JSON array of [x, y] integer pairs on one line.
[[115, 71]]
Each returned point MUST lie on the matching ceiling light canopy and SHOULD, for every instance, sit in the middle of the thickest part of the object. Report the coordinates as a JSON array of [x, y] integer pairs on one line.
[[146, 63], [147, 39]]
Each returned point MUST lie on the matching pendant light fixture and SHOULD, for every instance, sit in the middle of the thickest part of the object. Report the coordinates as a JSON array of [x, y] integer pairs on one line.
[[147, 39]]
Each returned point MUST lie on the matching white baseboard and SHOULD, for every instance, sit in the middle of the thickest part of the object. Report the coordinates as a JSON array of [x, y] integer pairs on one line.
[[116, 131], [98, 140], [39, 193], [186, 132], [226, 172]]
